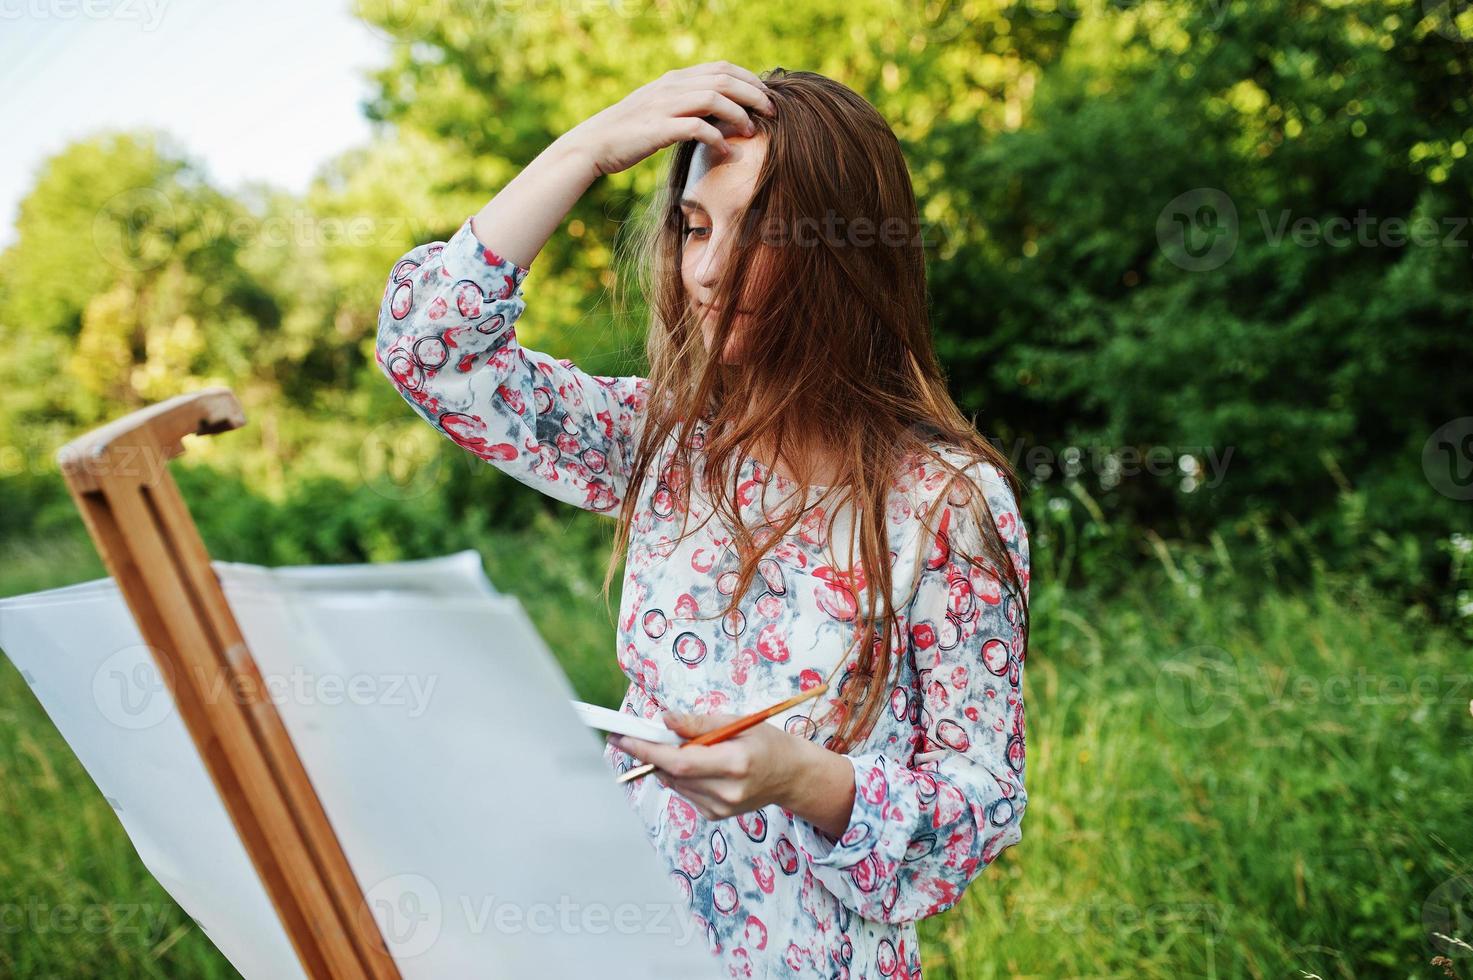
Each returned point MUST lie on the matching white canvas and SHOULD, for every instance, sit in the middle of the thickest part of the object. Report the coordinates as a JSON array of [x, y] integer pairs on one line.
[[474, 806]]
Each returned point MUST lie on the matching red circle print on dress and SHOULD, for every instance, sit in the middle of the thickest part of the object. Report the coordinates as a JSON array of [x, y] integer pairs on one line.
[[404, 370], [995, 656], [403, 300], [755, 933], [899, 702], [718, 846], [431, 352], [689, 649], [595, 460], [468, 298], [772, 574], [690, 861], [402, 269], [753, 824], [952, 735], [655, 623], [762, 873], [834, 597], [734, 623], [801, 726], [786, 855], [682, 817], [468, 431], [892, 895], [885, 958], [772, 644], [724, 897], [866, 874]]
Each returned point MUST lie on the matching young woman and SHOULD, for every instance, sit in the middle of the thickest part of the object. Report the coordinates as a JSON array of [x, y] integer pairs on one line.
[[851, 525]]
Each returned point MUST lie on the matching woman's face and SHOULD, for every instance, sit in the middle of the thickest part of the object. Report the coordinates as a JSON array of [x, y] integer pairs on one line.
[[717, 190]]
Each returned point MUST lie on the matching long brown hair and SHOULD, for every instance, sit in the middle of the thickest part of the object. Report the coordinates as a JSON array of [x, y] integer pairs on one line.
[[836, 349]]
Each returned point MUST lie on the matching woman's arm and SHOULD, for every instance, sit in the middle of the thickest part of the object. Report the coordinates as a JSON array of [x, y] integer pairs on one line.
[[918, 835], [447, 340], [446, 330], [519, 220]]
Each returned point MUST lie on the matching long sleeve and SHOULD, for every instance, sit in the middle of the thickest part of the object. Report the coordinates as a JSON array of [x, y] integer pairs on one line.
[[447, 340], [919, 834]]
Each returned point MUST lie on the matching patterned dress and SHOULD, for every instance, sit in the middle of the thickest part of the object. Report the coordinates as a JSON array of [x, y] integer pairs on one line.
[[939, 781]]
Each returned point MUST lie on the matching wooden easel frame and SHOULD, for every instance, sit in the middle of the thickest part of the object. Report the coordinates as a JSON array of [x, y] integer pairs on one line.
[[119, 478]]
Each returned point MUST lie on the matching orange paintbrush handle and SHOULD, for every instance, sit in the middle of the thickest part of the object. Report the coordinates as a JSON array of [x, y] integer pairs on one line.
[[742, 724], [734, 728]]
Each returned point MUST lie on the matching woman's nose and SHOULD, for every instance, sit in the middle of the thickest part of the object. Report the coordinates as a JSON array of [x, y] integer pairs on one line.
[[709, 271]]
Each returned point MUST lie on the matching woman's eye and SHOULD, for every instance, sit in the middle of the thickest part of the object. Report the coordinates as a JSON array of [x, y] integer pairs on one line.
[[688, 229]]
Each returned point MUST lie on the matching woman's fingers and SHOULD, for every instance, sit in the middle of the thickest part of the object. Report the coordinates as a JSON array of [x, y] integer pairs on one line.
[[722, 68], [717, 107], [692, 128], [681, 761], [748, 94]]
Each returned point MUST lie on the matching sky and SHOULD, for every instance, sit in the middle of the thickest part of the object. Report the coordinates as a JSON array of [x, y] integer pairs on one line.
[[259, 90]]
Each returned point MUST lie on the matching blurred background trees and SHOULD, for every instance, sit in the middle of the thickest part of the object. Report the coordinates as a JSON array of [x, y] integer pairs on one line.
[[1202, 270]]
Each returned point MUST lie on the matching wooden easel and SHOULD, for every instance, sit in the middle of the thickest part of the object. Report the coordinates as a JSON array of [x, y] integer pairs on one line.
[[119, 478]]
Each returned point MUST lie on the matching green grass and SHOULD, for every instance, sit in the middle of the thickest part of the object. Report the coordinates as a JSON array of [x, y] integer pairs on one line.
[[1241, 782]]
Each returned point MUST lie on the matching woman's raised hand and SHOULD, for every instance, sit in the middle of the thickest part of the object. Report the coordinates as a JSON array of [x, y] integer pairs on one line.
[[707, 102]]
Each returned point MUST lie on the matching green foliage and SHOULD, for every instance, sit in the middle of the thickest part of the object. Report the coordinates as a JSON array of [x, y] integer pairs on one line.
[[1166, 276]]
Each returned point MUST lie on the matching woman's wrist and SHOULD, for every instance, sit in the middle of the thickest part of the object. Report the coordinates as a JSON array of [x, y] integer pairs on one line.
[[819, 787], [519, 220]]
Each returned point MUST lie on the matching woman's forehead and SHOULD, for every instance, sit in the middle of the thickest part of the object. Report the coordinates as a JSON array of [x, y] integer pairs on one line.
[[716, 181]]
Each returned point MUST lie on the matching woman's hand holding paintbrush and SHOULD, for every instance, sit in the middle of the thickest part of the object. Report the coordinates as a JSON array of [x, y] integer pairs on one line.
[[734, 764]]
